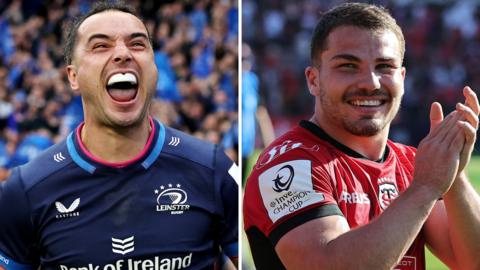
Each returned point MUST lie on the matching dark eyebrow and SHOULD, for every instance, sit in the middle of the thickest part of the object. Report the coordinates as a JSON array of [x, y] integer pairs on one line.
[[385, 59], [94, 36], [139, 34], [103, 36], [353, 58], [348, 57]]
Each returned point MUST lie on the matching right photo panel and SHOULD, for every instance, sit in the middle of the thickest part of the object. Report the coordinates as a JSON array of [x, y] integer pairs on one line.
[[360, 134]]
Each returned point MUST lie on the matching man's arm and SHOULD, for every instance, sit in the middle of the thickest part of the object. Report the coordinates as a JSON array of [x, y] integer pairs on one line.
[[462, 204], [17, 248], [453, 237], [327, 243], [226, 192], [453, 231]]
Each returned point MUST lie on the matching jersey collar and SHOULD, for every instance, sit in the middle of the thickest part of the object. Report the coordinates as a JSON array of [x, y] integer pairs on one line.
[[319, 132], [90, 164]]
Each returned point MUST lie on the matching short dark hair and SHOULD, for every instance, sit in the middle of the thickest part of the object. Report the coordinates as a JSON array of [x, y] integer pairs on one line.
[[360, 15], [102, 6]]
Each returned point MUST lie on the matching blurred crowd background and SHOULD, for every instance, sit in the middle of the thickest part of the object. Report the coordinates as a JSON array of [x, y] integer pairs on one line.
[[442, 55], [196, 50]]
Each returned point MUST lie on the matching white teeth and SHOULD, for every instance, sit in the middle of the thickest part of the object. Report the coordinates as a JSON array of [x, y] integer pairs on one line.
[[366, 102], [122, 77]]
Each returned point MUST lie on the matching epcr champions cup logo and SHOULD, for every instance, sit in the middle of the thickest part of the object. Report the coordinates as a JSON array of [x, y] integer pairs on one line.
[[284, 178]]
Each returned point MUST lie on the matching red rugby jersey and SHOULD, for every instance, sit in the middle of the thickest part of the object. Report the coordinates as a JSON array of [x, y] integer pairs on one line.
[[306, 174]]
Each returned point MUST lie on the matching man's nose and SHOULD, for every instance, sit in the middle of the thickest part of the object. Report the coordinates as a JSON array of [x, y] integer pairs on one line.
[[121, 54], [370, 80]]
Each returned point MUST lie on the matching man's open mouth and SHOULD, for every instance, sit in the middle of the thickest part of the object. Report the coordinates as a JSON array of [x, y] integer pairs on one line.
[[122, 87]]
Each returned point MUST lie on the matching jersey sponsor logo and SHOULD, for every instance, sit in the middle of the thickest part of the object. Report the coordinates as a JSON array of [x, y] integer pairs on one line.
[[279, 150], [4, 260], [407, 263], [123, 246], [67, 212], [387, 191], [172, 199], [354, 197], [157, 263], [8, 264], [58, 157], [284, 178], [174, 141], [293, 194]]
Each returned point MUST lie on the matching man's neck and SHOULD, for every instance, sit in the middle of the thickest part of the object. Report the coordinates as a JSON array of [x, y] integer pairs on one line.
[[371, 147], [115, 146]]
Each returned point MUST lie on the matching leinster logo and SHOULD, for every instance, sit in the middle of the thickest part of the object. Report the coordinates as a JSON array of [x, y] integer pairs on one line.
[[284, 178], [172, 199], [387, 192]]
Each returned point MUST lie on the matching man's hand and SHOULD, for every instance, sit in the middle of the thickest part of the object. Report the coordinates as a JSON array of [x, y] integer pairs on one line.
[[438, 155], [469, 124]]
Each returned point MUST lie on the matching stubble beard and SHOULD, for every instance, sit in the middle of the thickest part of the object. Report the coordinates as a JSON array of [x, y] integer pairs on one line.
[[122, 125], [109, 121], [364, 127]]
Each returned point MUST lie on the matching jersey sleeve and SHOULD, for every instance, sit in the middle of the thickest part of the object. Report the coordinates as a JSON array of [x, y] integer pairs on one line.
[[293, 193], [227, 174], [288, 193], [17, 245]]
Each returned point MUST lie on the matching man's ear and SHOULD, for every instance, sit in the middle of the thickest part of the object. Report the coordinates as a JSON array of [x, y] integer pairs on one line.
[[312, 76], [72, 77]]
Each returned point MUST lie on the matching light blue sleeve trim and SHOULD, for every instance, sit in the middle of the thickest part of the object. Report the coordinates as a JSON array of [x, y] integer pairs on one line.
[[9, 264], [76, 157], [231, 250]]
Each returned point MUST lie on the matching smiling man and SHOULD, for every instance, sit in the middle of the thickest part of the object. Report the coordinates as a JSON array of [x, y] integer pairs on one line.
[[335, 193], [123, 191]]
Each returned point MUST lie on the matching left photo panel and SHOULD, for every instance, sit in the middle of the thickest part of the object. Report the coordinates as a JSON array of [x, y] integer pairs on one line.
[[119, 135]]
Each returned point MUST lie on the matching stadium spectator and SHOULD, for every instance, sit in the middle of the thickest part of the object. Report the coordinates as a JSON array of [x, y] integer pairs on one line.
[[253, 113]]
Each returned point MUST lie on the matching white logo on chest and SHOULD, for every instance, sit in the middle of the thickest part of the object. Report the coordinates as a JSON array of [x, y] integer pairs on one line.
[[172, 199], [387, 191], [67, 212], [123, 246]]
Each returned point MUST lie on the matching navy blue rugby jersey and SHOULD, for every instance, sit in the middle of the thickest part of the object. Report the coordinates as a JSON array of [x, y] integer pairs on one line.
[[174, 207]]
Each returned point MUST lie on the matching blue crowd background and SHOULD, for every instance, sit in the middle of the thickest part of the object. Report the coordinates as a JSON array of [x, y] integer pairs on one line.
[[196, 49], [442, 55]]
